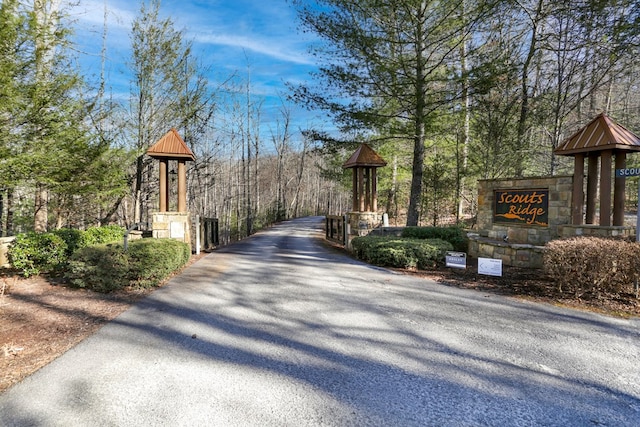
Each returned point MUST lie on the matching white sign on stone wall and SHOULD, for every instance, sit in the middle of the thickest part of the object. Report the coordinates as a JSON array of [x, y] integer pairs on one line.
[[177, 230]]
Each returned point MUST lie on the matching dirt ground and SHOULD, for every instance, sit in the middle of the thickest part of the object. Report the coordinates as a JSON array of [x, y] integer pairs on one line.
[[40, 320]]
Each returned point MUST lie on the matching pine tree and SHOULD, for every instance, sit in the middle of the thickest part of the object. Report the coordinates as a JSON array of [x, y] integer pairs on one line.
[[385, 66], [168, 90]]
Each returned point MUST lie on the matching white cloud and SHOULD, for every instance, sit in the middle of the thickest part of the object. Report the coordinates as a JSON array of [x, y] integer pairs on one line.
[[270, 48], [90, 13]]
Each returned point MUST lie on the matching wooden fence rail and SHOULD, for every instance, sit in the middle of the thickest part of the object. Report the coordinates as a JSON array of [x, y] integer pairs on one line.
[[335, 228], [210, 232]]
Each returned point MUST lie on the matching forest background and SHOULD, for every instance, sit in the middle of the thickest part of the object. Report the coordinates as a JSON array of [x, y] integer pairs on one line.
[[447, 92]]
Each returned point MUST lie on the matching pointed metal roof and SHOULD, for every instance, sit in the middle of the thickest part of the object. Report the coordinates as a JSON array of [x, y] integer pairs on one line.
[[364, 156], [171, 146], [600, 134]]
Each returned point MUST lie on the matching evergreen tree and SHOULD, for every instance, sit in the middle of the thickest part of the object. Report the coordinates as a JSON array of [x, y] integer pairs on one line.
[[385, 65], [168, 90], [12, 34], [47, 146]]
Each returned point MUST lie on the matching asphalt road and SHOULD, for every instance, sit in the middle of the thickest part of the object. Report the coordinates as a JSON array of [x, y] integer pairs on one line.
[[279, 331]]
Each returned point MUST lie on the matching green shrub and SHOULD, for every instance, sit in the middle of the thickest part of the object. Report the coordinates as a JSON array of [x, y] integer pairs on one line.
[[102, 268], [71, 237], [146, 263], [35, 253], [454, 235], [400, 252], [153, 260], [106, 234], [592, 266]]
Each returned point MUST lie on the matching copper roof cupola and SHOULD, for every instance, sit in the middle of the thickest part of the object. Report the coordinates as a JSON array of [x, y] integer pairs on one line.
[[172, 147], [599, 141], [364, 163]]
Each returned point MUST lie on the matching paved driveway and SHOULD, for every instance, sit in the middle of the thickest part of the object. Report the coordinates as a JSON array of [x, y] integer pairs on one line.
[[279, 331]]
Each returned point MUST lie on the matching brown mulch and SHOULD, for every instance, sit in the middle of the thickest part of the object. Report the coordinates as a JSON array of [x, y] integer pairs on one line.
[[40, 320], [533, 285]]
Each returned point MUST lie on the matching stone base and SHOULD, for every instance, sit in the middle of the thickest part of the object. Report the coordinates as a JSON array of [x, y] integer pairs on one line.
[[566, 231], [172, 225], [513, 254], [5, 242], [362, 223]]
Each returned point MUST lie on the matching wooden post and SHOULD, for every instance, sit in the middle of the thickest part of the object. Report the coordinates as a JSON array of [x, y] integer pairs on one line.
[[367, 190], [361, 189], [374, 189], [592, 188], [355, 190], [605, 188], [577, 198], [618, 192], [182, 186], [164, 178]]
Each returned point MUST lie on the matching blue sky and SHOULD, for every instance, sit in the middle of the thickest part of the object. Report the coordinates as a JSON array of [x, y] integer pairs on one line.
[[231, 36]]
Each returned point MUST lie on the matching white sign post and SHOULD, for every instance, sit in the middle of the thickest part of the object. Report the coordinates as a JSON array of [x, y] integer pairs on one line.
[[456, 259], [490, 267]]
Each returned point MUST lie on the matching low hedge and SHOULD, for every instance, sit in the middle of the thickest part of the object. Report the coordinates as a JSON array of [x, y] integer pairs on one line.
[[34, 253], [153, 260], [102, 268], [400, 252], [146, 263], [454, 235], [592, 266]]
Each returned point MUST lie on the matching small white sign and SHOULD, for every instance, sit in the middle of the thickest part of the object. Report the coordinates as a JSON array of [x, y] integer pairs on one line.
[[177, 230], [456, 259], [490, 266]]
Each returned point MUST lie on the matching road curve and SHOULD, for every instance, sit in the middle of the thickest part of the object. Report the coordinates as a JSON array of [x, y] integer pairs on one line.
[[277, 330]]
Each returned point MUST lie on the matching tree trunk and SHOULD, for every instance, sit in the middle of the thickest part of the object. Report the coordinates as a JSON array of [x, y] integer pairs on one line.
[[2, 230], [41, 214], [466, 138], [413, 214], [524, 104], [9, 223]]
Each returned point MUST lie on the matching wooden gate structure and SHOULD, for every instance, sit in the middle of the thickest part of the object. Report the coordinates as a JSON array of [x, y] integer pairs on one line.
[[599, 141], [176, 224]]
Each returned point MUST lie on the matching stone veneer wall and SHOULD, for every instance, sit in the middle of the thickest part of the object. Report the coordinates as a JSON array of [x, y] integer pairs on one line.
[[172, 225], [513, 254], [4, 248], [524, 245], [560, 189], [362, 223]]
